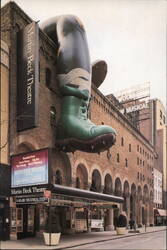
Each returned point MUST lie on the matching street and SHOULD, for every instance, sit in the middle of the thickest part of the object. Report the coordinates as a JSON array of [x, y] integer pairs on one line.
[[155, 240]]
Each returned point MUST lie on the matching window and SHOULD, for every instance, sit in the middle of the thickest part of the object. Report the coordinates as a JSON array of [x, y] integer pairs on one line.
[[164, 119], [53, 116], [160, 114], [126, 163], [130, 148], [58, 179], [143, 163], [118, 157], [138, 175], [122, 141], [137, 160], [48, 77], [140, 162], [138, 148]]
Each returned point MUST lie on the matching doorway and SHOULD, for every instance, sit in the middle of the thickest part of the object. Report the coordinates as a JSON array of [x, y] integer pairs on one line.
[[26, 226]]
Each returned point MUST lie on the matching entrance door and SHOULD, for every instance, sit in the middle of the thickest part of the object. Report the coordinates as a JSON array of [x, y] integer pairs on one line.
[[26, 219]]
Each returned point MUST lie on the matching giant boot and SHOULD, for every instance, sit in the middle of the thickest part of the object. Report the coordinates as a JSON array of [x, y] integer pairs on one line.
[[75, 131]]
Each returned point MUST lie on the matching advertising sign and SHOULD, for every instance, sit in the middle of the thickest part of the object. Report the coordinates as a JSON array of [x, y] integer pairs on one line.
[[134, 93], [28, 76], [29, 169], [96, 223], [137, 107]]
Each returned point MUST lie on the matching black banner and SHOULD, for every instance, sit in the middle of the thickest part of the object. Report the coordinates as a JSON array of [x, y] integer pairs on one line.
[[28, 76]]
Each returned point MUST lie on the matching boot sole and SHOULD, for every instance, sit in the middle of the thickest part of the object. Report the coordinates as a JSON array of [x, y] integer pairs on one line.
[[96, 145]]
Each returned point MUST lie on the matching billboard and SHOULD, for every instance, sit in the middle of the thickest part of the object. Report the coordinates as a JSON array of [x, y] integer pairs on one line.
[[30, 169], [136, 107], [140, 91], [28, 76]]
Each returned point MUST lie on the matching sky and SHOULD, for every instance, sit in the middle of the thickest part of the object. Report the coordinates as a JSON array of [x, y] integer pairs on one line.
[[130, 35]]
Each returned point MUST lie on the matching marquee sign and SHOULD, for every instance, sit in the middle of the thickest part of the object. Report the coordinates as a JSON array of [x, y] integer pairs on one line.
[[29, 169], [137, 107], [28, 76]]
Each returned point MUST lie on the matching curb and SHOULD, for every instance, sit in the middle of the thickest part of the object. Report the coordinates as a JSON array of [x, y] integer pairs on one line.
[[115, 238]]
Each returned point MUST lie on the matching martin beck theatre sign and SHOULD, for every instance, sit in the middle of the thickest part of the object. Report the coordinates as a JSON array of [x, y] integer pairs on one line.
[[29, 172], [28, 76]]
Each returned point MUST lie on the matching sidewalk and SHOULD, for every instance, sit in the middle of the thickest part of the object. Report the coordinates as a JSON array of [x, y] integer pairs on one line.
[[67, 241]]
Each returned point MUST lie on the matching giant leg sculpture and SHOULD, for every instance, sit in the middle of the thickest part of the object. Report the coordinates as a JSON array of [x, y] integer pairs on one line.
[[75, 131]]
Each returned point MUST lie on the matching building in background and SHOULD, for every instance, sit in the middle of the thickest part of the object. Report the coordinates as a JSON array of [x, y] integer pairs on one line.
[[149, 116], [157, 188], [88, 191]]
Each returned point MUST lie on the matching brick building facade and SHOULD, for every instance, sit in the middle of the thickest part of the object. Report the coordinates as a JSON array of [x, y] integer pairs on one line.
[[125, 171]]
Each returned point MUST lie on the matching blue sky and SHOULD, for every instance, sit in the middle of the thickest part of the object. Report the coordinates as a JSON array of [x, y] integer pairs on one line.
[[130, 35]]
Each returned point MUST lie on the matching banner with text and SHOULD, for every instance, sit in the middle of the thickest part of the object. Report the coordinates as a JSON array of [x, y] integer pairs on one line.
[[30, 169], [28, 76]]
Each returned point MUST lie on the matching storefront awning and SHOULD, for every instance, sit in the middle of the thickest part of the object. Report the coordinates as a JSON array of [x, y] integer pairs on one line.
[[161, 212], [81, 193]]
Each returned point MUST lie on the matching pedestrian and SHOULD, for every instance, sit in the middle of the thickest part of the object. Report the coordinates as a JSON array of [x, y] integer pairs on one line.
[[131, 223]]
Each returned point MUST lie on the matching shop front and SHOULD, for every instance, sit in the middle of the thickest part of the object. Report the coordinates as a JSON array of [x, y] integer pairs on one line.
[[30, 176], [34, 198], [77, 210], [160, 217]]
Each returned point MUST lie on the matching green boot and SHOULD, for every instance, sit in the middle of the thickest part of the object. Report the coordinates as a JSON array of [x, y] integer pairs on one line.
[[76, 132]]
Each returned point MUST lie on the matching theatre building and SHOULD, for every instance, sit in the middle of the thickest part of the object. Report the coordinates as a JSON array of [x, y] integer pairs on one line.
[[86, 190]]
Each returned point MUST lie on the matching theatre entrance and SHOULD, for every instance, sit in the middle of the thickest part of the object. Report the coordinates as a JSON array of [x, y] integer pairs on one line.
[[25, 220]]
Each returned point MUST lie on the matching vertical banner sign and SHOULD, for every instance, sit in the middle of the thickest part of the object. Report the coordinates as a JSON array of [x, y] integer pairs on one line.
[[28, 76]]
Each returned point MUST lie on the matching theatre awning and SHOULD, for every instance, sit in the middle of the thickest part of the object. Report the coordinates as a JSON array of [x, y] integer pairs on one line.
[[161, 212], [81, 193]]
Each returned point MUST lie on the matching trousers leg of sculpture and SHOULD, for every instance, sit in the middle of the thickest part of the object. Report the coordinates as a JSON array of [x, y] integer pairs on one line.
[[75, 131]]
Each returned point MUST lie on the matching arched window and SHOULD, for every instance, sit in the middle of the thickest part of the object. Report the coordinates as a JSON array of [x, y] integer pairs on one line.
[[58, 179]]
